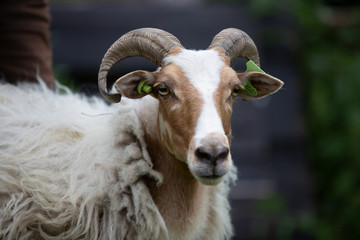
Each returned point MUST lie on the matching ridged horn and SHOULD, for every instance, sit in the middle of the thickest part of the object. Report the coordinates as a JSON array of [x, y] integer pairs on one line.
[[150, 43], [236, 44]]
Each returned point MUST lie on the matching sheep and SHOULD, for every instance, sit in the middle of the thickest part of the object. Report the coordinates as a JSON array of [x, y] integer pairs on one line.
[[157, 165]]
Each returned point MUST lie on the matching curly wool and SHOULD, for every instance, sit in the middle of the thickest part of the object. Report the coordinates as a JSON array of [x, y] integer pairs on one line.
[[73, 167], [67, 173]]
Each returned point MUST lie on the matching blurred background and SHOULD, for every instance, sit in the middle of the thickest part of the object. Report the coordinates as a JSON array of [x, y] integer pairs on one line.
[[298, 151]]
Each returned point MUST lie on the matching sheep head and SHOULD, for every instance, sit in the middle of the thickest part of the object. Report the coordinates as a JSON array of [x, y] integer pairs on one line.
[[195, 89]]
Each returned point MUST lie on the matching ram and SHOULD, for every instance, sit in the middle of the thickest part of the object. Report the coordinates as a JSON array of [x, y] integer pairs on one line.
[[157, 165]]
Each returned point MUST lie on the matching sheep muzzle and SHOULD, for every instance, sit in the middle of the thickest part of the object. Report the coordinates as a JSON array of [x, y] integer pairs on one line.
[[209, 159]]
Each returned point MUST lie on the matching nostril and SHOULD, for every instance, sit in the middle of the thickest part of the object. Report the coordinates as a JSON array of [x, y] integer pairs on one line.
[[222, 153], [203, 154], [212, 154]]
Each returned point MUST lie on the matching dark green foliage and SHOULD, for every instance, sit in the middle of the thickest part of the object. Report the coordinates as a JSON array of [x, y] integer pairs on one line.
[[330, 59], [274, 220]]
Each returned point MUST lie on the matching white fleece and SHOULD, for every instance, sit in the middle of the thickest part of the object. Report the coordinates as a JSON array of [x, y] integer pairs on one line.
[[72, 167]]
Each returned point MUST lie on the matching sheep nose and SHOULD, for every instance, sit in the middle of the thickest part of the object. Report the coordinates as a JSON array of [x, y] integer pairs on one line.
[[212, 154]]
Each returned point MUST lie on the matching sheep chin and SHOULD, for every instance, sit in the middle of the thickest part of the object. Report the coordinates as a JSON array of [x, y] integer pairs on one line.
[[208, 175]]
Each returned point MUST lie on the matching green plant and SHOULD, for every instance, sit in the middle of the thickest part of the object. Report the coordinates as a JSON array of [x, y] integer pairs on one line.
[[329, 63], [330, 59]]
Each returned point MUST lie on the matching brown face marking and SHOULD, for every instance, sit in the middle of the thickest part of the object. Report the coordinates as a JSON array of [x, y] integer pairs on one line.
[[223, 57], [224, 99], [179, 110]]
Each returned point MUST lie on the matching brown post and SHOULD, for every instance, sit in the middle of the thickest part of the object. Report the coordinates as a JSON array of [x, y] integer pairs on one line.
[[25, 49]]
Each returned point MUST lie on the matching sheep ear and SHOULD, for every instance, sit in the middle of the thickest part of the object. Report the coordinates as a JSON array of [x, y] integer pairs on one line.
[[258, 85], [136, 84]]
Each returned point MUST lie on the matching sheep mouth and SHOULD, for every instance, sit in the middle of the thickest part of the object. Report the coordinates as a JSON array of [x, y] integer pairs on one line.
[[210, 179], [209, 175]]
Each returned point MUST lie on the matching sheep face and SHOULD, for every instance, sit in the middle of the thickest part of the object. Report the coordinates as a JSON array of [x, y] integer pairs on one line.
[[196, 91]]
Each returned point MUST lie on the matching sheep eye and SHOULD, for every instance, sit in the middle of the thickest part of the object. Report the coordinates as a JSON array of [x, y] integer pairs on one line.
[[163, 90], [236, 92]]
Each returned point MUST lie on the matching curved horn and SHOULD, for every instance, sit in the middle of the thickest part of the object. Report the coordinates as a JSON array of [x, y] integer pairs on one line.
[[150, 43], [236, 43]]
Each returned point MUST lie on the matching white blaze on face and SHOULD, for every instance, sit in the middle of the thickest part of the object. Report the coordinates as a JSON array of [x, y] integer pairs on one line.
[[202, 68]]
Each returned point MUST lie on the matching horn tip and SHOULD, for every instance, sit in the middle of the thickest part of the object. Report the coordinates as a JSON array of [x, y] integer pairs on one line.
[[113, 97]]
